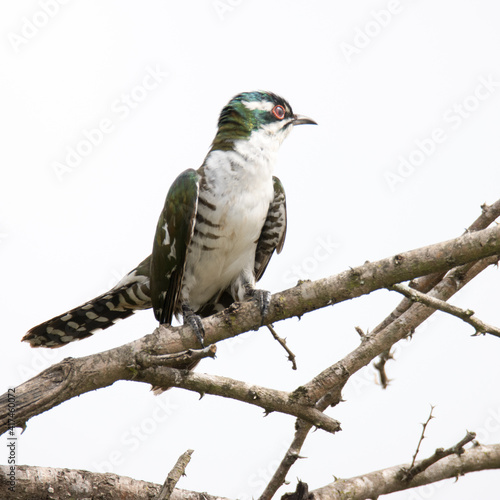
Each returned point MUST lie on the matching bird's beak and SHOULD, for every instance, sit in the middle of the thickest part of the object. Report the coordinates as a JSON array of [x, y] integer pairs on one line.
[[302, 120]]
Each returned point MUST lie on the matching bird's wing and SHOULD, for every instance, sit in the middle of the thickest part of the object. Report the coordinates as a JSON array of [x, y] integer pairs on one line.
[[273, 232], [173, 234]]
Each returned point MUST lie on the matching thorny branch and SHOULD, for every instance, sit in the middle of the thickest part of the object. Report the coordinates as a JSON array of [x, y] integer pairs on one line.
[[34, 482], [335, 376], [63, 484], [489, 213], [386, 481], [410, 317], [282, 342], [268, 399], [472, 253], [379, 365], [174, 475], [422, 436], [73, 377], [466, 315], [375, 344], [407, 474]]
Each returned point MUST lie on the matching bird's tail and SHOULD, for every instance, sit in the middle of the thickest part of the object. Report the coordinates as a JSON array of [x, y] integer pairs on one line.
[[130, 295]]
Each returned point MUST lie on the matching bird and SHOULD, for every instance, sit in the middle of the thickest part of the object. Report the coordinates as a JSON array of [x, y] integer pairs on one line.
[[215, 236]]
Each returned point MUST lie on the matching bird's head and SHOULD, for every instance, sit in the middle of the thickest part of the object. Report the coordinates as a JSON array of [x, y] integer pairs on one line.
[[258, 112]]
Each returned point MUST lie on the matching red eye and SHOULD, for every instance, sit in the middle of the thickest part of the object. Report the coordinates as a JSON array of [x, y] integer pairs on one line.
[[279, 112]]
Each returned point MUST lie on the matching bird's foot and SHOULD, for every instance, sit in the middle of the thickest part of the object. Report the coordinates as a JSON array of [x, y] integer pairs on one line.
[[263, 299], [194, 321]]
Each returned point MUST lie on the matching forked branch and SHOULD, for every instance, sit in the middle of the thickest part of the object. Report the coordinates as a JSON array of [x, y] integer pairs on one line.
[[71, 378]]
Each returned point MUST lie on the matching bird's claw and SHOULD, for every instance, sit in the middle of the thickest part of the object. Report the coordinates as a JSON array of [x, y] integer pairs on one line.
[[263, 298], [194, 321]]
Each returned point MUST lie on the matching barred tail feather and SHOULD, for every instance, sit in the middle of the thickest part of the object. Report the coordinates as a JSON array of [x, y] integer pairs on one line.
[[97, 314]]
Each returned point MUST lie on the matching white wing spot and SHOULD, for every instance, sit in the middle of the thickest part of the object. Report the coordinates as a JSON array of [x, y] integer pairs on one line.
[[91, 315], [74, 325], [102, 319], [67, 317], [166, 240]]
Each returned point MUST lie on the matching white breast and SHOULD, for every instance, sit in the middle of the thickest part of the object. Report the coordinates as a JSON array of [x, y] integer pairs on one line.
[[239, 184]]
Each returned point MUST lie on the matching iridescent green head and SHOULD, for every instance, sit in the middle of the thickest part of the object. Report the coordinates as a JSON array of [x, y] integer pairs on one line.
[[249, 112]]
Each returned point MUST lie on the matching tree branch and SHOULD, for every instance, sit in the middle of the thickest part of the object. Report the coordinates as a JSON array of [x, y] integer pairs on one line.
[[422, 437], [174, 475], [282, 342], [376, 343], [489, 213], [73, 377], [302, 429], [36, 482], [177, 359], [389, 480], [268, 399], [337, 373], [408, 473], [379, 365], [61, 484], [466, 315]]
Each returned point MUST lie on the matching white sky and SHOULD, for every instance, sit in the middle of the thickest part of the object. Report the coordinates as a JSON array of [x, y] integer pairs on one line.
[[426, 73]]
